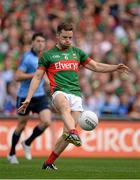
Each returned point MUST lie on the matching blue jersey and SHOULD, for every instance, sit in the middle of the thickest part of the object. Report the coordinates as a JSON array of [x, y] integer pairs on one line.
[[29, 64]]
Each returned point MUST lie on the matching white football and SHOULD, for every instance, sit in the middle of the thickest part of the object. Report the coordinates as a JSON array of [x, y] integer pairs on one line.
[[88, 120]]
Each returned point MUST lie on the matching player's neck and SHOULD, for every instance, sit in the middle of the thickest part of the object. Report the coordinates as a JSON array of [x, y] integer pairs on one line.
[[60, 47], [34, 52]]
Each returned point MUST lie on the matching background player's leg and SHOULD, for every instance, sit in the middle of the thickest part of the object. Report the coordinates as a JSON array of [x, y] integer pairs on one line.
[[15, 138], [45, 120]]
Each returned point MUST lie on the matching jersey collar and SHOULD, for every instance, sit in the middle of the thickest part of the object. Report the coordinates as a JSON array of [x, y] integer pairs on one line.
[[61, 49], [33, 52]]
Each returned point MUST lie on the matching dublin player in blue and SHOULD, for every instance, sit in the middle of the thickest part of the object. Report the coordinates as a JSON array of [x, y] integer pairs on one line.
[[39, 103]]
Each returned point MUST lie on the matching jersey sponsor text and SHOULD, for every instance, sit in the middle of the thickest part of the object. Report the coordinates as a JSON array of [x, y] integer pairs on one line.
[[67, 66]]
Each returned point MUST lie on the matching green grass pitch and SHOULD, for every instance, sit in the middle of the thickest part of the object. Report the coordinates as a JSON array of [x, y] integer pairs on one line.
[[72, 168]]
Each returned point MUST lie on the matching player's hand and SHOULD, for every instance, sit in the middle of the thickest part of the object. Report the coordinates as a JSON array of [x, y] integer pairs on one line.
[[123, 68], [24, 106]]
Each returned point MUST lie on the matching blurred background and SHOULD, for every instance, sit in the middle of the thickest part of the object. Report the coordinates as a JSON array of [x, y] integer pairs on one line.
[[107, 30]]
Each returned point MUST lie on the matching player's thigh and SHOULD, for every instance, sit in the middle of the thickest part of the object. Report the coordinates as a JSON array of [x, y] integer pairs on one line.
[[45, 116], [61, 103]]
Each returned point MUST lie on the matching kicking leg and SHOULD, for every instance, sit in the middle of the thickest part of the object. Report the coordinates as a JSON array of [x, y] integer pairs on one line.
[[62, 105], [59, 147]]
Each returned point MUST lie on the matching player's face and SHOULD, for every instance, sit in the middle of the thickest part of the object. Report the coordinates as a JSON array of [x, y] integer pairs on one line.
[[39, 44], [65, 38]]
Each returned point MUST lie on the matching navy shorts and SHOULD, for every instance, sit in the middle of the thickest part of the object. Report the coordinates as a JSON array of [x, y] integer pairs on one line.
[[37, 104]]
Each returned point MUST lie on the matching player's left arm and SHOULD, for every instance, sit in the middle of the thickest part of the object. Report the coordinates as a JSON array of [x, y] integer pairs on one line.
[[104, 68]]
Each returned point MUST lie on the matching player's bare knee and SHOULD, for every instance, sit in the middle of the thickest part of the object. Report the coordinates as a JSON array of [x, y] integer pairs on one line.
[[21, 125], [49, 122], [63, 106], [45, 124], [20, 128], [65, 109]]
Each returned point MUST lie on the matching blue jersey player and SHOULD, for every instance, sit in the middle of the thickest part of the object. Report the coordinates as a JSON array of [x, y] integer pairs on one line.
[[39, 103]]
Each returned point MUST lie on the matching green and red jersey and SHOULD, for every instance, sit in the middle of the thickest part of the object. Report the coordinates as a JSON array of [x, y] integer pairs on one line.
[[62, 67]]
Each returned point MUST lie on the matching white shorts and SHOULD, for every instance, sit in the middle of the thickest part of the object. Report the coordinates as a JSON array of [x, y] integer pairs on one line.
[[74, 101]]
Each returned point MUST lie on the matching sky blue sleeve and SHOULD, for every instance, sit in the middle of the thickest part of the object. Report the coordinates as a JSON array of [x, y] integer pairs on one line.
[[24, 64]]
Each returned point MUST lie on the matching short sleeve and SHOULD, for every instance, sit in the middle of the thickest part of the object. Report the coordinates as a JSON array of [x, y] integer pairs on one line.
[[83, 57], [43, 61], [24, 64]]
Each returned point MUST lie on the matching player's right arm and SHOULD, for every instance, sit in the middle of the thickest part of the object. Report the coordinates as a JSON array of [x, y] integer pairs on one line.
[[33, 87], [22, 72], [20, 75]]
